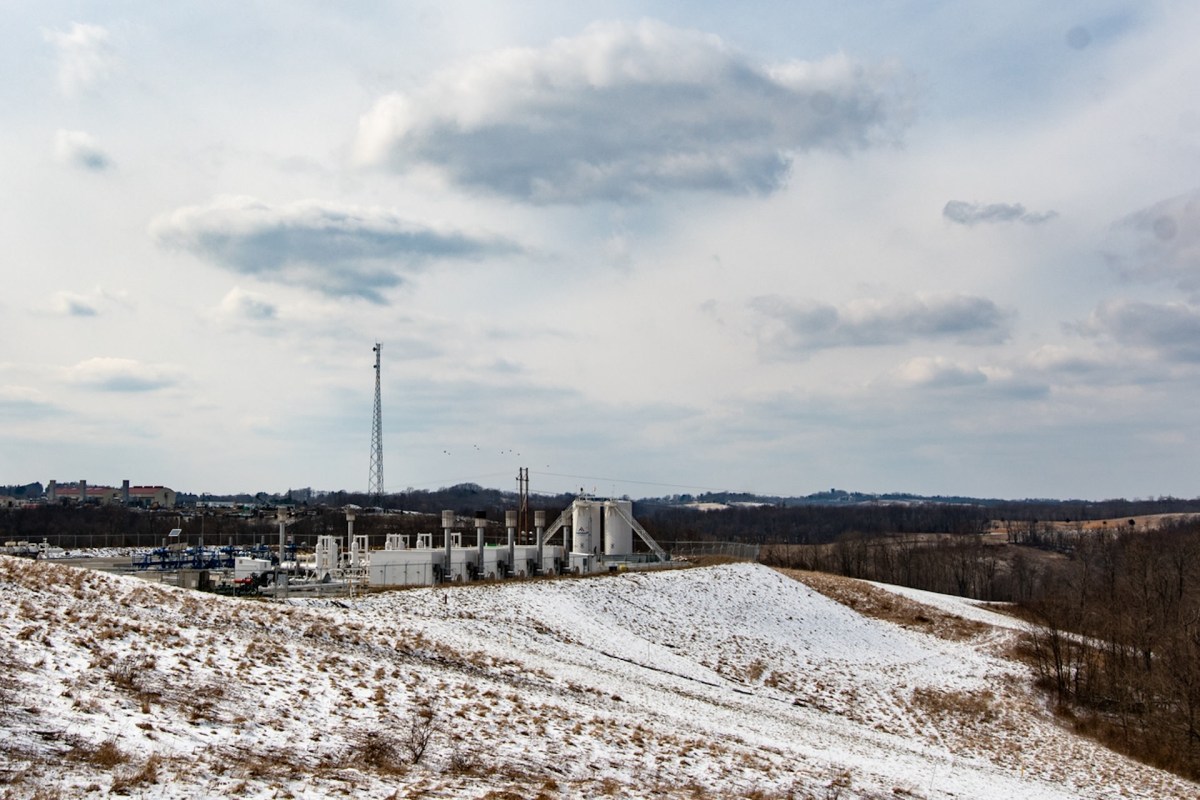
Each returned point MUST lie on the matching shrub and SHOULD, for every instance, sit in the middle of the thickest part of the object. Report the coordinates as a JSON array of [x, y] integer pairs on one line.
[[145, 775], [376, 750], [419, 732]]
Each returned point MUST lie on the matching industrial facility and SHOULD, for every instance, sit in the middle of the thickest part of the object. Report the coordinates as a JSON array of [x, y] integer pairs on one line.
[[590, 536]]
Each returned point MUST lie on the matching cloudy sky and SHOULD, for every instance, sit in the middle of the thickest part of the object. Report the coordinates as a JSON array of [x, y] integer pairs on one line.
[[637, 247]]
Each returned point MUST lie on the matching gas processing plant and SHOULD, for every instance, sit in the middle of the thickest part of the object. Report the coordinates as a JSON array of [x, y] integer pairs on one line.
[[596, 536], [591, 535]]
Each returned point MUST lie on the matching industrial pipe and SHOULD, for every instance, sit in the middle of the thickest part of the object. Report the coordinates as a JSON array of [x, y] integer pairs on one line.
[[447, 524], [480, 526], [510, 522], [539, 525]]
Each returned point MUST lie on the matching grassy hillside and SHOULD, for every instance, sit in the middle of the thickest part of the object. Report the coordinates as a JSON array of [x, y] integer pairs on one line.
[[730, 681]]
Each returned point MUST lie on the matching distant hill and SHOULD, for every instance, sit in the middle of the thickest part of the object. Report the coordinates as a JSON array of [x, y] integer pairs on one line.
[[29, 491]]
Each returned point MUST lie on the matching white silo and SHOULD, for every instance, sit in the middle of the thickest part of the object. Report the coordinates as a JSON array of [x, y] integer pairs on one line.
[[618, 533], [585, 522]]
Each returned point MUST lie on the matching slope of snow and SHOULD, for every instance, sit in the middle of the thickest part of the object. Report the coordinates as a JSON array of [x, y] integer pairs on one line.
[[730, 681], [965, 607]]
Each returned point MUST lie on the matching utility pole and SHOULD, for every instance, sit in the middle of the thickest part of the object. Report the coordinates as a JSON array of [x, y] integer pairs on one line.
[[375, 479], [523, 506]]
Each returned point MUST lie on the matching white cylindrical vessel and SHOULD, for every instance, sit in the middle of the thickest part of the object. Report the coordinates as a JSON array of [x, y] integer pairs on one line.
[[583, 523], [581, 542], [618, 533]]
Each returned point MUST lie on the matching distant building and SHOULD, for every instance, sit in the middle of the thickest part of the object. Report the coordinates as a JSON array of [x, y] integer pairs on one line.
[[152, 496], [82, 492]]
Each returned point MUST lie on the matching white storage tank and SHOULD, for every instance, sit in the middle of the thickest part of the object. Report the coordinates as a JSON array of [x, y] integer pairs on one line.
[[586, 516], [618, 533], [327, 554]]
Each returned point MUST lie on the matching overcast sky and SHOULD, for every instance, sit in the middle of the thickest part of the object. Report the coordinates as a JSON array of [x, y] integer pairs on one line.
[[637, 247]]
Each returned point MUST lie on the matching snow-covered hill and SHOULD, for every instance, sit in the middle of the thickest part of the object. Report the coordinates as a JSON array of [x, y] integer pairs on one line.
[[733, 681]]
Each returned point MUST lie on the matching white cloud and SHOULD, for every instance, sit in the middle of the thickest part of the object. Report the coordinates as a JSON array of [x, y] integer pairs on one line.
[[1170, 329], [23, 402], [965, 213], [652, 296], [90, 304], [338, 250], [1161, 242], [1084, 366], [122, 375], [78, 149], [85, 56], [1057, 359], [937, 372], [622, 111], [71, 304], [242, 306], [793, 329]]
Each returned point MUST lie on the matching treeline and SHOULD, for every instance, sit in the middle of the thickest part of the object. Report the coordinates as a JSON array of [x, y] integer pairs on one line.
[[818, 523], [1118, 641], [957, 565], [812, 524], [464, 498], [1043, 509], [1116, 613], [1082, 510], [75, 527], [28, 491], [111, 525]]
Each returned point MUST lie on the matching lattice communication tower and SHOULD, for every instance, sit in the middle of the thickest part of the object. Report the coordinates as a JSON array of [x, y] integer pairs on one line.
[[375, 480]]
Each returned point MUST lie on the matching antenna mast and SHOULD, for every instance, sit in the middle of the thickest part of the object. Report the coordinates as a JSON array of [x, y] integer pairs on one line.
[[375, 480]]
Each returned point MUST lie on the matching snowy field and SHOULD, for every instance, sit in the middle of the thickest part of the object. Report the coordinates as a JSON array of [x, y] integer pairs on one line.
[[732, 681]]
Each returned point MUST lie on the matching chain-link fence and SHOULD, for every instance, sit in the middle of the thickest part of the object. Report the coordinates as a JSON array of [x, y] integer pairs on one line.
[[736, 550]]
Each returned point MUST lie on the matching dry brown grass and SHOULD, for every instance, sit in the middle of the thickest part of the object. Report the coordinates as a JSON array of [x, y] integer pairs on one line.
[[253, 764], [874, 602], [714, 560], [12, 667], [608, 787], [378, 751], [105, 755], [144, 775], [963, 707], [465, 761]]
